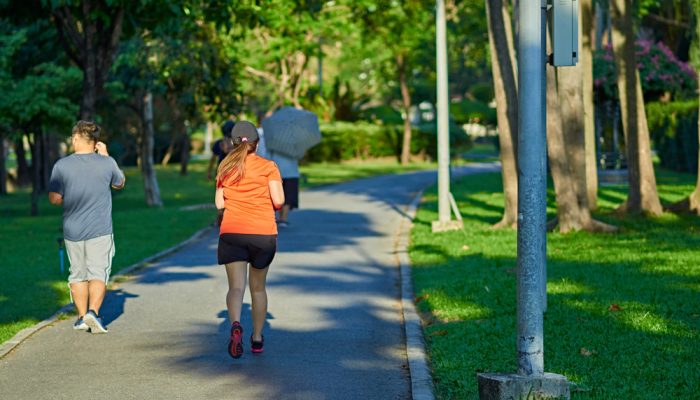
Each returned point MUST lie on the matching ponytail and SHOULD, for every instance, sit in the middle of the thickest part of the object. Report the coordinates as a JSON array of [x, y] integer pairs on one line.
[[233, 165]]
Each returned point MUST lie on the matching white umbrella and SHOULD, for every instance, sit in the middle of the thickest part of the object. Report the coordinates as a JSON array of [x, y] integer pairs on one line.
[[291, 131]]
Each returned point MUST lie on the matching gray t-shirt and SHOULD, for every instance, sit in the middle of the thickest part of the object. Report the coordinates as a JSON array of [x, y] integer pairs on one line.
[[288, 166], [84, 181]]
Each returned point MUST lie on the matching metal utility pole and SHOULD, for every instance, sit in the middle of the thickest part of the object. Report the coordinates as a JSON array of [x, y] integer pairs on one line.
[[532, 188], [444, 221], [532, 200]]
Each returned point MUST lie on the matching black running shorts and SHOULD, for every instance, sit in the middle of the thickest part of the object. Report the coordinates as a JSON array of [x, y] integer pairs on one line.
[[258, 250]]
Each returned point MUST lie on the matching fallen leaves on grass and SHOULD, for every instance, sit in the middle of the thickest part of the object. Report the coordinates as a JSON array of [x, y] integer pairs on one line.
[[441, 332], [421, 298], [614, 307], [465, 248], [587, 353]]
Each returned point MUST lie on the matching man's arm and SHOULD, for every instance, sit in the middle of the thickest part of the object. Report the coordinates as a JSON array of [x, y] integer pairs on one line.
[[55, 198], [101, 149], [55, 188], [211, 165], [120, 187]]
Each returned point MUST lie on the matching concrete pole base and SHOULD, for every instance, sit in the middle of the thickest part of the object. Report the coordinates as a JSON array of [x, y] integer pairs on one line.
[[494, 386], [443, 226]]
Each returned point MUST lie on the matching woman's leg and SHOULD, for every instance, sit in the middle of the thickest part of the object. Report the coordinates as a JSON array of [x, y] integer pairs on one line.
[[236, 272], [258, 296]]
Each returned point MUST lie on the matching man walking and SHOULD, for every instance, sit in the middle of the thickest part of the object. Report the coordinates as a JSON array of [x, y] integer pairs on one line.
[[289, 168], [81, 183]]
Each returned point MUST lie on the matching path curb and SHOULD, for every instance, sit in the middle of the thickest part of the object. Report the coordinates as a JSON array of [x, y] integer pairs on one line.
[[418, 364], [26, 333]]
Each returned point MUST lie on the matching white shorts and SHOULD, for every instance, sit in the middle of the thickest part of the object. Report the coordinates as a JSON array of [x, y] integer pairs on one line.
[[90, 259]]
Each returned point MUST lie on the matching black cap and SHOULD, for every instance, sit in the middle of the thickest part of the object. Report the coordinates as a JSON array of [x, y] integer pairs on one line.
[[227, 127], [246, 131]]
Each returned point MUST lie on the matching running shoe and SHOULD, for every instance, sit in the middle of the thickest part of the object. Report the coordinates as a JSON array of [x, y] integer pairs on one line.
[[94, 322], [283, 224], [235, 343], [80, 325], [257, 347]]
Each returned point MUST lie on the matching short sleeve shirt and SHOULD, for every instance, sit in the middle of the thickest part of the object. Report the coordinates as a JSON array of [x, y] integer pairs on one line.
[[84, 180], [288, 166], [248, 206]]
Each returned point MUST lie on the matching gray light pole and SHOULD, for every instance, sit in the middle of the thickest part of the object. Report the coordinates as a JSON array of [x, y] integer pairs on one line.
[[532, 219], [444, 221], [532, 188]]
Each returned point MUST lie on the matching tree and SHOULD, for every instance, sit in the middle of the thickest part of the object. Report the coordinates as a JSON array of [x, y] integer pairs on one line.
[[90, 31], [506, 92], [278, 49], [643, 196], [394, 23], [38, 97], [586, 60], [567, 151]]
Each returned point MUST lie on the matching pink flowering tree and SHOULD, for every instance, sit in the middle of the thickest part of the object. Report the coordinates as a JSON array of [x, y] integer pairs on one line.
[[661, 72]]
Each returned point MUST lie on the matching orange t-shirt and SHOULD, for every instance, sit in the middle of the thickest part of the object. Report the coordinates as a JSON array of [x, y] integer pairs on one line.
[[248, 206]]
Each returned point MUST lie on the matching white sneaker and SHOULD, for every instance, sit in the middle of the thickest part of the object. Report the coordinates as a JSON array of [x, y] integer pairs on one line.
[[94, 322], [80, 325]]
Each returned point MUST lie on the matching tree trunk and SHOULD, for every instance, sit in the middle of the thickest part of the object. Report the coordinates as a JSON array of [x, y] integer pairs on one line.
[[506, 92], [37, 155], [588, 33], [406, 100], [209, 137], [3, 167], [91, 43], [171, 149], [88, 100], [184, 150], [568, 211], [566, 148], [150, 181], [24, 175], [643, 196]]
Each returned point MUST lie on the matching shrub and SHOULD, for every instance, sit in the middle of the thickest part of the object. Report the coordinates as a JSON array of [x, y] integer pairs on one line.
[[365, 140], [674, 129], [659, 69], [467, 111]]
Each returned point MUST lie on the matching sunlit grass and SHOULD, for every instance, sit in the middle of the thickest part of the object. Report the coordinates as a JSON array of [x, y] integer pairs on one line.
[[317, 174], [623, 318]]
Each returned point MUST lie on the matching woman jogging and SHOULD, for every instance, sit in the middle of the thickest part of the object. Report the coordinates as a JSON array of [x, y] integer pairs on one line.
[[248, 191]]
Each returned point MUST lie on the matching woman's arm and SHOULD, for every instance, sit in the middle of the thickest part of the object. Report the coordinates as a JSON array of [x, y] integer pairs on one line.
[[219, 198], [276, 194]]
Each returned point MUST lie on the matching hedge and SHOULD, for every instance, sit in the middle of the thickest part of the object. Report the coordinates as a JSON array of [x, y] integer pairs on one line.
[[366, 140], [674, 130]]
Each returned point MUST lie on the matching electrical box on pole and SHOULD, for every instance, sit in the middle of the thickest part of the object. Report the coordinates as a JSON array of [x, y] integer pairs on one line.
[[564, 32]]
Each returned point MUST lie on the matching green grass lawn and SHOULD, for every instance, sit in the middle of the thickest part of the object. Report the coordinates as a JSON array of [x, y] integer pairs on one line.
[[329, 173], [623, 319], [32, 287]]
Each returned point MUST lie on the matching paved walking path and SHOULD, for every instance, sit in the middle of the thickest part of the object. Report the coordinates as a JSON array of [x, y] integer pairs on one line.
[[334, 329]]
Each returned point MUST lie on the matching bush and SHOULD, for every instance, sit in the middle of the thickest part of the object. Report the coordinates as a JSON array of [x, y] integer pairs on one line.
[[674, 129], [354, 140], [467, 111], [365, 140], [660, 71], [459, 140]]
